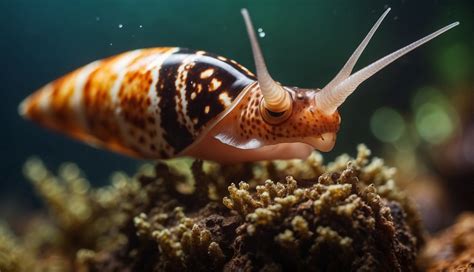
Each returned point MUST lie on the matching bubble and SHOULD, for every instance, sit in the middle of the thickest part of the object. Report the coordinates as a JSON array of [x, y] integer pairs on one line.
[[387, 125], [97, 18], [110, 44], [261, 33], [120, 26], [140, 26]]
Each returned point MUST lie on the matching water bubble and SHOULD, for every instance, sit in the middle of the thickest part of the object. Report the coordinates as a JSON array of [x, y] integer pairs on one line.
[[140, 26], [120, 26], [110, 44], [97, 18], [260, 32]]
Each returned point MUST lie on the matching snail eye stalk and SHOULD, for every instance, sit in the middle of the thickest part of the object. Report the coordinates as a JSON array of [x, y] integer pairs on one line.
[[275, 97]]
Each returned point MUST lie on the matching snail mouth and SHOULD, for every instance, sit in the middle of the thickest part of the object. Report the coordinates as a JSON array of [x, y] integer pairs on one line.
[[324, 142]]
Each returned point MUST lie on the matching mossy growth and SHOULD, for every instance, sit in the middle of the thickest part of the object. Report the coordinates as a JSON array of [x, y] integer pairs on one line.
[[202, 216]]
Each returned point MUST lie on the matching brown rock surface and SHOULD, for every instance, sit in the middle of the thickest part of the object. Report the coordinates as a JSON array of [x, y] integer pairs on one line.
[[452, 249]]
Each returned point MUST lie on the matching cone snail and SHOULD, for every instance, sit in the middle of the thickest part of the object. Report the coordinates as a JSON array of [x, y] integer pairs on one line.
[[161, 103]]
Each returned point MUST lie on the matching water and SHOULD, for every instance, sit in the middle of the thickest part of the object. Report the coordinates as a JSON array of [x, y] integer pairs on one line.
[[305, 43]]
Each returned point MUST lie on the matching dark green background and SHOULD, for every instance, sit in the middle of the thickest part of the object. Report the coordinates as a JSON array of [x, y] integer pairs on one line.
[[306, 43]]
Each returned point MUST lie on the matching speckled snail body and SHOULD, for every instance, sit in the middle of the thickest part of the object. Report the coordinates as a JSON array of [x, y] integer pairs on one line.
[[169, 102]]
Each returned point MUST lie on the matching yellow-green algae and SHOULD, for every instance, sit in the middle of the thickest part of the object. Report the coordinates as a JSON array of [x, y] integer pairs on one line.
[[193, 215]]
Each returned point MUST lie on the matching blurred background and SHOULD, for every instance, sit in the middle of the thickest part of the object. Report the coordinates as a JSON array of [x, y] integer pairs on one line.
[[417, 114]]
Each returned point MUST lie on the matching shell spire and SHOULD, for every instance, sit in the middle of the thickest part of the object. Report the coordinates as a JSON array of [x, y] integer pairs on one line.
[[276, 98], [344, 84]]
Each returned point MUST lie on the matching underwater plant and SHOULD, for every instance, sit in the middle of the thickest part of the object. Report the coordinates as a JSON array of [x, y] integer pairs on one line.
[[199, 215]]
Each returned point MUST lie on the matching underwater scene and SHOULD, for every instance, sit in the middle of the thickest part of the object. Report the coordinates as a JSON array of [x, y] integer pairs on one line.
[[159, 135]]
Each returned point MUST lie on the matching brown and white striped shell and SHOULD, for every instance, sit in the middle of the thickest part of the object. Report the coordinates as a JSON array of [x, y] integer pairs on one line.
[[150, 103]]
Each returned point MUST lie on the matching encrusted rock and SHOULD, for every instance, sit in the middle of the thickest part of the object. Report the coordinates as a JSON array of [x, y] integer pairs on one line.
[[201, 216]]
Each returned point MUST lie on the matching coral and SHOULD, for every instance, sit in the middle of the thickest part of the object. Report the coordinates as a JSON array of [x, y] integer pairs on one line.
[[83, 217], [12, 256], [194, 215], [452, 249], [337, 222]]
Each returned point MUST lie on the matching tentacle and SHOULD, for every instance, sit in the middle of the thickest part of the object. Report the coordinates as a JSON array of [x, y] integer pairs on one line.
[[347, 68], [336, 92], [275, 97]]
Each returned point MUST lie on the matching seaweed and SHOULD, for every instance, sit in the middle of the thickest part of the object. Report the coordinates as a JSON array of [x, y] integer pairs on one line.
[[197, 215]]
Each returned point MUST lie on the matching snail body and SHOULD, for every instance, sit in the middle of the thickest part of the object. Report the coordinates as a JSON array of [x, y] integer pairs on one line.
[[166, 102]]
